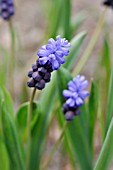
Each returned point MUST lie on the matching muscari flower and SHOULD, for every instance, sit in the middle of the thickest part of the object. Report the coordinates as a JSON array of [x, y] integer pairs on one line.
[[54, 52], [51, 56], [75, 96], [6, 9], [108, 3]]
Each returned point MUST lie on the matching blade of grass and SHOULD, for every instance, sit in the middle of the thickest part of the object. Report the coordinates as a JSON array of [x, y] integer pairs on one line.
[[106, 153], [109, 111]]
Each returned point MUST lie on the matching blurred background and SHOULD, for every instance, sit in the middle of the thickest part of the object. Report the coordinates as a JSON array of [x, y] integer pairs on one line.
[[34, 23]]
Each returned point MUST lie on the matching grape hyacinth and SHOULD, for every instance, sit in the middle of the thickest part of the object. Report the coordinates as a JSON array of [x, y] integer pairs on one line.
[[51, 56], [108, 3], [54, 52], [6, 9], [75, 96]]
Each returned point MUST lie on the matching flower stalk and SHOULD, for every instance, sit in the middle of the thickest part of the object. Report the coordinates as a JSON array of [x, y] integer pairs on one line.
[[12, 57], [29, 128]]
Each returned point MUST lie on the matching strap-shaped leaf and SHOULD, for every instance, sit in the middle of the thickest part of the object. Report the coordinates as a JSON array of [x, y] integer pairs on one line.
[[4, 161], [12, 141], [76, 44], [92, 109], [109, 111], [21, 118], [106, 153]]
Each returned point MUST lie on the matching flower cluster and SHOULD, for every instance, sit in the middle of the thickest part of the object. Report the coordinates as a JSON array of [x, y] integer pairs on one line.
[[51, 56], [75, 96], [108, 3], [6, 9], [54, 52]]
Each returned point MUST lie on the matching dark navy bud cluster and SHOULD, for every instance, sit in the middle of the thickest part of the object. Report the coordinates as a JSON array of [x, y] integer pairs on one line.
[[39, 75], [51, 56], [6, 9], [108, 3], [75, 96]]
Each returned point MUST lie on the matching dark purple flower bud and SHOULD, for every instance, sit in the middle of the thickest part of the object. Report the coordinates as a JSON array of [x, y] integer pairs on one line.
[[47, 77], [42, 71], [65, 108], [34, 67], [30, 73], [69, 115], [36, 76], [40, 85], [108, 3], [48, 66], [31, 82], [77, 112]]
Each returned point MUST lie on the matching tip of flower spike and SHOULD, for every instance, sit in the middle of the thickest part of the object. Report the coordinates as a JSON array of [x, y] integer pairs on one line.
[[54, 52]]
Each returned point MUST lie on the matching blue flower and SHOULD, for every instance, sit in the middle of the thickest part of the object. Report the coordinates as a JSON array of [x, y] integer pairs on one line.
[[54, 52], [76, 94], [6, 9]]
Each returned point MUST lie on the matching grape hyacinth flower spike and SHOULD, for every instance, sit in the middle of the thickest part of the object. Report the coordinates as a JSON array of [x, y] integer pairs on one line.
[[108, 3], [7, 9], [75, 96], [51, 56]]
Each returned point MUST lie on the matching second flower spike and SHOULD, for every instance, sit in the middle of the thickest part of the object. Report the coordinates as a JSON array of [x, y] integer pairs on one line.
[[75, 96]]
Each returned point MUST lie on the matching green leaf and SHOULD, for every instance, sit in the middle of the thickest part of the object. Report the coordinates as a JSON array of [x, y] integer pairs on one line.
[[63, 76], [79, 144], [4, 95], [109, 112], [106, 56], [76, 43], [66, 18], [4, 161], [12, 141], [106, 153], [104, 72], [92, 109], [55, 17], [21, 118]]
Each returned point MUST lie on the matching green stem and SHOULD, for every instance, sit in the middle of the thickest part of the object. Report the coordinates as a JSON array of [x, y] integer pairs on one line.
[[54, 147], [12, 58], [29, 128], [91, 44]]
